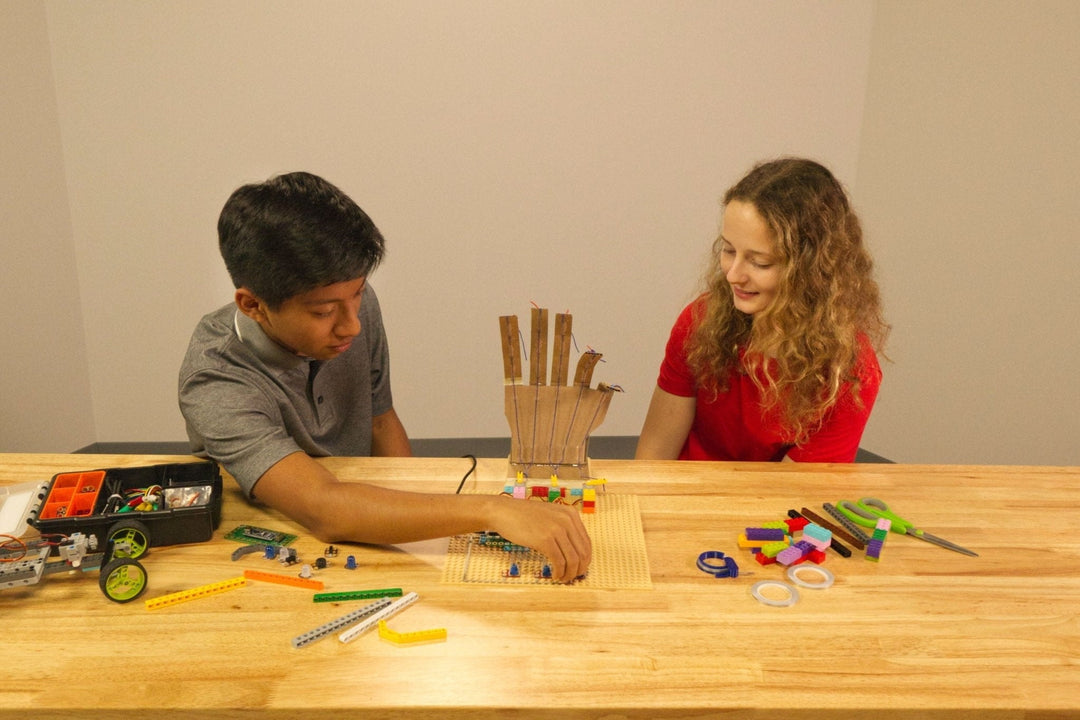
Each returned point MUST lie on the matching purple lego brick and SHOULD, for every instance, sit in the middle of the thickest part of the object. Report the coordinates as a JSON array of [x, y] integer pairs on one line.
[[804, 545], [771, 534]]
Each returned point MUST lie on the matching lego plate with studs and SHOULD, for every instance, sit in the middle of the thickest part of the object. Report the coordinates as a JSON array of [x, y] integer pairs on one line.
[[619, 557]]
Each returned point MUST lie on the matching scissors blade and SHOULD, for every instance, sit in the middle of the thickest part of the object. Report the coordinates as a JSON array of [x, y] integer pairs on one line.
[[940, 542]]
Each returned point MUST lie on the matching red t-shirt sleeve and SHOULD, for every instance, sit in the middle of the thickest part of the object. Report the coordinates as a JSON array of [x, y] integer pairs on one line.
[[675, 375]]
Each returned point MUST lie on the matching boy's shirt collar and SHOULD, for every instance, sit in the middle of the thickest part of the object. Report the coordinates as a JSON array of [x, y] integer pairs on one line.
[[255, 339]]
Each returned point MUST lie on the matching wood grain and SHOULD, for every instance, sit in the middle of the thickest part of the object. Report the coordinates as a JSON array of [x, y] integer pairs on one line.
[[925, 633]]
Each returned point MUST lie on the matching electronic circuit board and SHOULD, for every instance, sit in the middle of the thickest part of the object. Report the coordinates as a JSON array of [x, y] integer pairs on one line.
[[252, 535]]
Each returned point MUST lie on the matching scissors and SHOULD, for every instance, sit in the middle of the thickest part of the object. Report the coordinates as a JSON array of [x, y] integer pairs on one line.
[[868, 510]]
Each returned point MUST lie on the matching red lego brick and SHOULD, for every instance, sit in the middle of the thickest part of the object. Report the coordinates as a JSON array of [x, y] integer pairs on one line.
[[796, 524]]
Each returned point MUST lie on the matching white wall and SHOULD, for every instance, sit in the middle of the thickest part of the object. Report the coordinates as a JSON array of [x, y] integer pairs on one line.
[[44, 380], [969, 178], [571, 154], [564, 153]]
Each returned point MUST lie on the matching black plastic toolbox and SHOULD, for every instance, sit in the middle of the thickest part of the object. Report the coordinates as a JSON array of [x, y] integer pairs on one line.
[[187, 510]]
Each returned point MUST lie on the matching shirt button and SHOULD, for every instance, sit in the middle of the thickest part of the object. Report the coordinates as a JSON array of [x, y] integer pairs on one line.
[[320, 399]]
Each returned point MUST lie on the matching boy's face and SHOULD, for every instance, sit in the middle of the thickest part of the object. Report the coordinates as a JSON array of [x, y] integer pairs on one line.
[[320, 323]]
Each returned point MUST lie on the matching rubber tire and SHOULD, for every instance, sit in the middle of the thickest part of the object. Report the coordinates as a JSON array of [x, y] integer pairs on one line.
[[134, 531], [122, 580]]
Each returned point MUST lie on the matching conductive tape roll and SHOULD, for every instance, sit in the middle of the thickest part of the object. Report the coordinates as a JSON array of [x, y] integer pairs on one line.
[[791, 599], [826, 575]]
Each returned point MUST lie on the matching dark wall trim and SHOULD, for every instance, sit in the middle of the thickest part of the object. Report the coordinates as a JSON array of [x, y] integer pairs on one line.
[[610, 447]]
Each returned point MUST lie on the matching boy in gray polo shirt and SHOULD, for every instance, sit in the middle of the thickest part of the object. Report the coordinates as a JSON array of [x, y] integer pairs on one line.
[[298, 367]]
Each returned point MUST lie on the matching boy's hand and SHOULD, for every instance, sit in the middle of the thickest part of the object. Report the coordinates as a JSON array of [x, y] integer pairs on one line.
[[554, 530]]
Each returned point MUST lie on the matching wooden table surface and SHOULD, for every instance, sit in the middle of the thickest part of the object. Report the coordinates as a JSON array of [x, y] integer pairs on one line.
[[925, 633]]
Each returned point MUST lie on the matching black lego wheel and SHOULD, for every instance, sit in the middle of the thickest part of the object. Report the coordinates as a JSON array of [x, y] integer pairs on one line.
[[128, 539], [122, 579]]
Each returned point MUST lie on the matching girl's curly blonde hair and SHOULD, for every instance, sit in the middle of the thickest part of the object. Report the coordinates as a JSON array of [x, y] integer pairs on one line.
[[805, 345]]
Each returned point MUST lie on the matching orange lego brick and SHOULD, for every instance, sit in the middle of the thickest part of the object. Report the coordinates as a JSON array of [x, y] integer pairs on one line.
[[283, 579]]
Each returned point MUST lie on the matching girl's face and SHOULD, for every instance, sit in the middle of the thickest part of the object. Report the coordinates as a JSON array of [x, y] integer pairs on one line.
[[748, 257]]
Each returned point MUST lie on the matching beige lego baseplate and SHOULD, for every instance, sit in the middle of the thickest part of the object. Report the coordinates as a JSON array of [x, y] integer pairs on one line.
[[618, 544]]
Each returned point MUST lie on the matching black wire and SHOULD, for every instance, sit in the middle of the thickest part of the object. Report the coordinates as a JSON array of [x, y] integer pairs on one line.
[[470, 472]]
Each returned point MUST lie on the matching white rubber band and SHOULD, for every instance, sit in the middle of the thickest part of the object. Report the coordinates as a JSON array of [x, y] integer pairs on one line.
[[827, 577], [791, 599]]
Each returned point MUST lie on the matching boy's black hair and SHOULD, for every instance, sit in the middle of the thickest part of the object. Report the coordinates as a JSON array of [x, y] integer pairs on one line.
[[294, 233]]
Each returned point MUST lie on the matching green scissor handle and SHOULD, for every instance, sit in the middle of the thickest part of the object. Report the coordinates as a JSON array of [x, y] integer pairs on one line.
[[879, 508], [869, 510]]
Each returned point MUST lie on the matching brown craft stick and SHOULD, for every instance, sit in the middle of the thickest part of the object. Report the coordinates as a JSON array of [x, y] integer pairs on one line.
[[508, 326], [565, 400], [834, 528], [586, 365], [560, 351], [543, 423], [601, 412], [519, 402], [588, 403], [538, 361]]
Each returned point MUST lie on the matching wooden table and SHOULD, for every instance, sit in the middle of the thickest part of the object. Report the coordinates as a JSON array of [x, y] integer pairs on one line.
[[925, 633]]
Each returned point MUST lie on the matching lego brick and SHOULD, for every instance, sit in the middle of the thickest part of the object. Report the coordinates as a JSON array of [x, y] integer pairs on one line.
[[342, 622], [195, 593], [836, 530], [774, 549], [815, 531], [391, 609], [747, 543], [790, 555], [794, 525], [357, 595], [283, 579], [418, 636], [759, 533]]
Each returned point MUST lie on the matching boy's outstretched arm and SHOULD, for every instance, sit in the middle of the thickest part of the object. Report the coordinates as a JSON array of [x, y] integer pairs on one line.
[[336, 511]]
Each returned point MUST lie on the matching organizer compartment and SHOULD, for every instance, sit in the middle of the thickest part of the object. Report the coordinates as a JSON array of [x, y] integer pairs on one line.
[[73, 494]]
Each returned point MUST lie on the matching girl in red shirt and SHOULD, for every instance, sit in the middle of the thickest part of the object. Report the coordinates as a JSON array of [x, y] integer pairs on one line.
[[777, 360]]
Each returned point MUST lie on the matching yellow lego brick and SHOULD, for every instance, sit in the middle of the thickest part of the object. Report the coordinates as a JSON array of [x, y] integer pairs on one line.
[[418, 636], [195, 593]]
